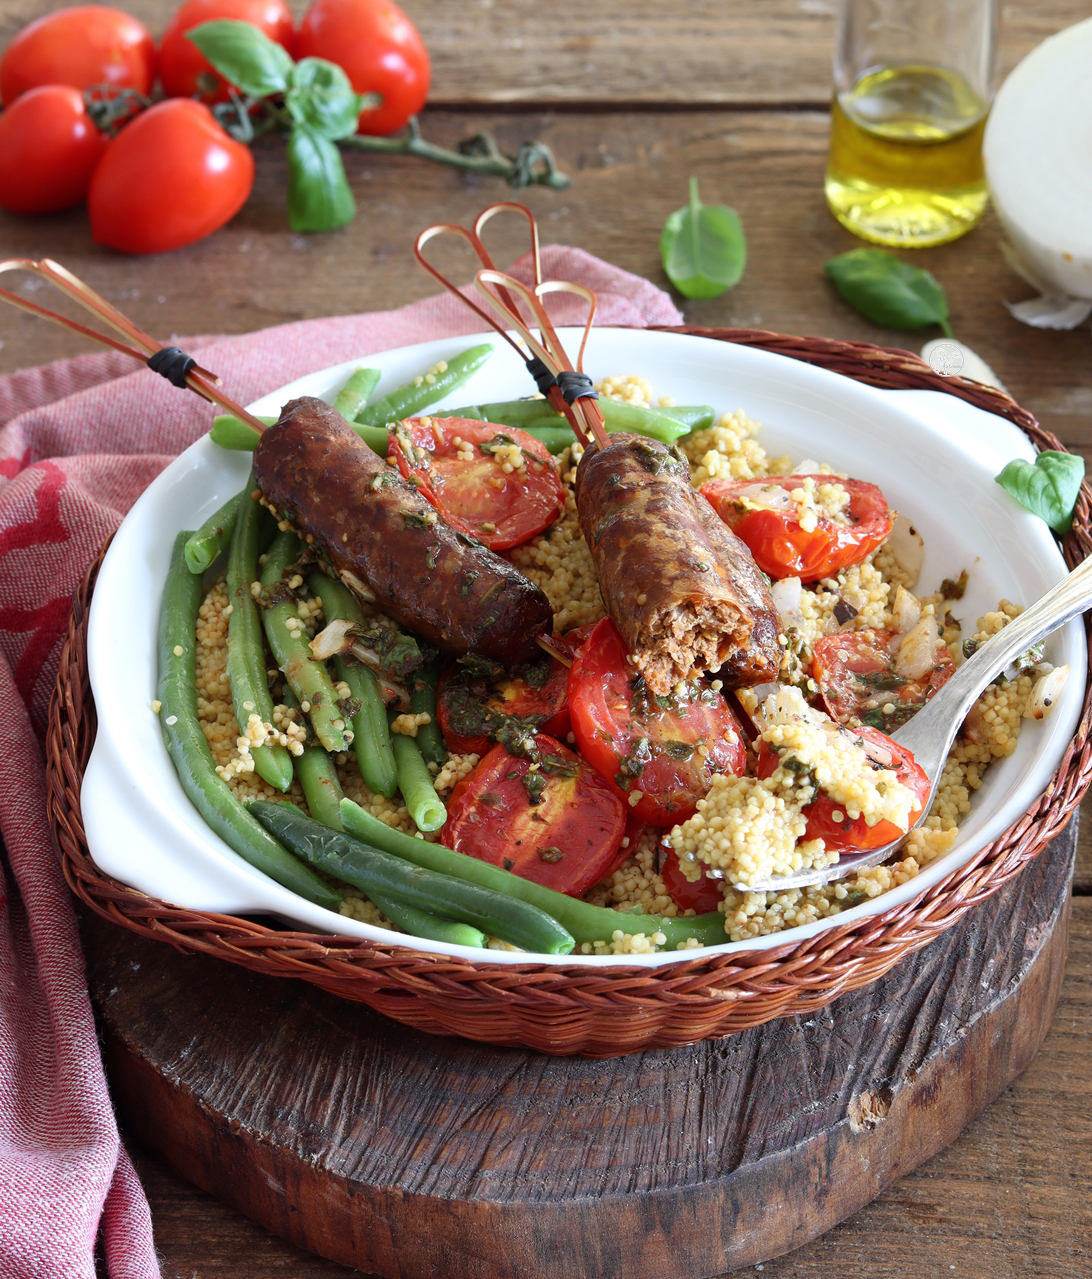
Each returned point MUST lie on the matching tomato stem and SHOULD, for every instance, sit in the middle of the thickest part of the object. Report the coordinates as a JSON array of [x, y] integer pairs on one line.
[[533, 165]]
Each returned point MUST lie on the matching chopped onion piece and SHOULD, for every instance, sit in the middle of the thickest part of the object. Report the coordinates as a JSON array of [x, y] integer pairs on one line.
[[787, 594], [917, 652], [1044, 695], [906, 610], [331, 640], [907, 546]]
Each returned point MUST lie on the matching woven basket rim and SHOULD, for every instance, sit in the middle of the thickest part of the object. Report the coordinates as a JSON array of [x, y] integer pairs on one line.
[[816, 968]]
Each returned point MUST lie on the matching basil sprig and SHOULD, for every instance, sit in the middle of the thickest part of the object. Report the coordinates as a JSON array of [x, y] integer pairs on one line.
[[321, 106], [703, 248], [888, 291], [315, 104], [1048, 487]]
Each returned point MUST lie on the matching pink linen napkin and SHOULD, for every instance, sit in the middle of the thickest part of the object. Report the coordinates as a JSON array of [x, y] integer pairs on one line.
[[79, 441]]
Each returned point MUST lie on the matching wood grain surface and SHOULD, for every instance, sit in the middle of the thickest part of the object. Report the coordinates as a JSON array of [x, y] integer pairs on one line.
[[411, 1155], [735, 93]]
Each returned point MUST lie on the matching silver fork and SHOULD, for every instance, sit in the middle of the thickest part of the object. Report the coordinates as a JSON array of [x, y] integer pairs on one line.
[[929, 735]]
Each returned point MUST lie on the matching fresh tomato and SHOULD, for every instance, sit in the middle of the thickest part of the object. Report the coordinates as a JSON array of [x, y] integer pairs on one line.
[[460, 466], [855, 671], [558, 823], [185, 72], [762, 514], [79, 47], [666, 748], [479, 702], [701, 896], [828, 820], [49, 147], [171, 177], [380, 51]]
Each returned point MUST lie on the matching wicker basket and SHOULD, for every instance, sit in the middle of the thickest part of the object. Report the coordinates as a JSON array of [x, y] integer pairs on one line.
[[574, 1008]]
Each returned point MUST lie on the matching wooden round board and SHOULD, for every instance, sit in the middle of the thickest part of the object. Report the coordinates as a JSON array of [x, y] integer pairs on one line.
[[410, 1156]]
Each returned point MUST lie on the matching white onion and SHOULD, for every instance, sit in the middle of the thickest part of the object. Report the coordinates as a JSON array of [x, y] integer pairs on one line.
[[331, 640], [787, 594], [1046, 692], [905, 611], [907, 546], [1038, 156], [917, 652]]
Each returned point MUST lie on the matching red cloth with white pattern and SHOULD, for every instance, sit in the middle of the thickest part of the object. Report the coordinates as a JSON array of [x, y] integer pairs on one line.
[[79, 441]]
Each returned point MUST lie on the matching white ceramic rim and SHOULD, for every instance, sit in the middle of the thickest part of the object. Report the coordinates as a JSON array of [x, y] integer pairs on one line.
[[141, 828]]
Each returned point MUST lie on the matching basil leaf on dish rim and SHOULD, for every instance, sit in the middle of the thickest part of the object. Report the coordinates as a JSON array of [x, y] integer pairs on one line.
[[1048, 487], [703, 248], [888, 291], [244, 56], [318, 191]]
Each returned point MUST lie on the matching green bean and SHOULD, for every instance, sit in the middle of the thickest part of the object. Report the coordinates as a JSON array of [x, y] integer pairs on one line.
[[429, 739], [409, 400], [373, 870], [308, 679], [246, 660], [352, 397], [233, 433], [214, 535], [371, 736], [659, 424], [695, 417], [555, 438], [423, 923], [189, 750], [415, 782], [318, 777], [587, 923]]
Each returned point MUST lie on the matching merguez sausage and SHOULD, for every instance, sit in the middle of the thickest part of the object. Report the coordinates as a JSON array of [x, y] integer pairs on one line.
[[389, 545], [682, 589]]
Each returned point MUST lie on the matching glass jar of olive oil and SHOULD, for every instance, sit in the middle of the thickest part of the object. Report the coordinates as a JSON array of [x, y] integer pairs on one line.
[[913, 81]]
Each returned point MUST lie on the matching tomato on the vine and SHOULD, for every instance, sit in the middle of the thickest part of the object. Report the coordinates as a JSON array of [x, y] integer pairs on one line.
[[79, 47], [185, 72], [464, 469], [555, 822], [49, 147], [763, 514], [827, 820], [380, 51], [171, 177], [667, 749]]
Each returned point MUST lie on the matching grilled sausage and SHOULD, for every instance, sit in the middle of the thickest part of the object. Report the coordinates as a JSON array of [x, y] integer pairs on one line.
[[682, 589], [389, 545]]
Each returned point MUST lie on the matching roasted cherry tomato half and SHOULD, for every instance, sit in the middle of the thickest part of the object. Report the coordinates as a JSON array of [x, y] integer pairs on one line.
[[558, 824], [703, 895], [762, 514], [855, 671], [170, 177], [49, 147], [827, 820], [496, 483], [380, 51], [477, 700], [667, 748], [185, 72], [80, 47]]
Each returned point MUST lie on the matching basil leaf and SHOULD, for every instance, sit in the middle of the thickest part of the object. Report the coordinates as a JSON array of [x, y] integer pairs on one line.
[[321, 99], [888, 291], [318, 191], [703, 248], [244, 56], [1049, 487]]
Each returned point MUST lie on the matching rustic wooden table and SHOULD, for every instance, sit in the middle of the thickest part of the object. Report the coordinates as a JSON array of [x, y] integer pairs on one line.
[[634, 97]]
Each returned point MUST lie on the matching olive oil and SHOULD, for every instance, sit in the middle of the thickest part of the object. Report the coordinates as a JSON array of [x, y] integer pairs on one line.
[[905, 162]]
